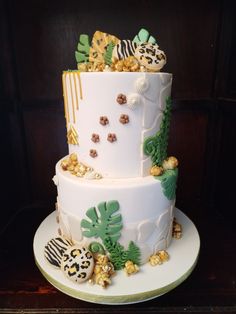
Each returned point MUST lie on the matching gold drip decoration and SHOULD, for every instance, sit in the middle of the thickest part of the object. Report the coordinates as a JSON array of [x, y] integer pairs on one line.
[[77, 100], [80, 86], [72, 97], [72, 136], [67, 116]]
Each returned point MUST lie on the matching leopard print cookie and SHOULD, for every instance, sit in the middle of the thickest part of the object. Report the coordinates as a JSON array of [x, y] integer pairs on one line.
[[77, 264], [150, 56]]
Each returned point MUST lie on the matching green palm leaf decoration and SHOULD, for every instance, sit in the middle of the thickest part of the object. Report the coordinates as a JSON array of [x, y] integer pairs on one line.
[[108, 53], [156, 146], [169, 183], [144, 37], [82, 55], [103, 222]]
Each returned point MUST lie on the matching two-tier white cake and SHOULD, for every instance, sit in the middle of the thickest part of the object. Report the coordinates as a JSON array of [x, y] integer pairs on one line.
[[116, 188]]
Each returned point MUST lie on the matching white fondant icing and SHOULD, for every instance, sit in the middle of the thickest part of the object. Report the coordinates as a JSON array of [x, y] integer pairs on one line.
[[160, 245], [55, 180], [134, 100], [142, 84], [146, 252], [99, 92], [75, 229], [145, 229], [163, 219]]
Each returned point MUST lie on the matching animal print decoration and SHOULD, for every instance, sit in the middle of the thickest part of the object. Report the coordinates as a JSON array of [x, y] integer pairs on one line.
[[77, 264], [100, 44], [55, 249], [124, 49], [108, 53], [149, 56]]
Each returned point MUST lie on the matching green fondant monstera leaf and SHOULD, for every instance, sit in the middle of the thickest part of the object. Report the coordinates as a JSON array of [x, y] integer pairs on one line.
[[102, 222], [169, 182], [156, 146], [144, 37], [82, 55]]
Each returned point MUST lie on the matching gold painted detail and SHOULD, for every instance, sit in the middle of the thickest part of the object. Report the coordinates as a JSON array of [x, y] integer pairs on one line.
[[72, 93], [66, 108], [72, 136], [78, 168]]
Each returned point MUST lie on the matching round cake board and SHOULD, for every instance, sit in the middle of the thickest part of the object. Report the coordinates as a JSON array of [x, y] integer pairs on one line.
[[149, 283]]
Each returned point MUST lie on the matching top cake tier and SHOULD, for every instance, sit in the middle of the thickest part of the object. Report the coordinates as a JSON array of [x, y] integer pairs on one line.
[[109, 115]]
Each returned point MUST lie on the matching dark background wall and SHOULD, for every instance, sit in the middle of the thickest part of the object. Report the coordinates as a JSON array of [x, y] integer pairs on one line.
[[37, 42]]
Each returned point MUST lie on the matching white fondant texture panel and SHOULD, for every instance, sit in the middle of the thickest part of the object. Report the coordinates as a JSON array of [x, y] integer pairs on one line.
[[88, 96]]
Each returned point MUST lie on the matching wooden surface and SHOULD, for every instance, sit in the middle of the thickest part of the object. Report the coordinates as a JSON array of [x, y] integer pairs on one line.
[[38, 39]]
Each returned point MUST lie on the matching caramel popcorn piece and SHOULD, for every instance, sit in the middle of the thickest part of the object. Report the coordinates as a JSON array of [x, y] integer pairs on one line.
[[155, 260], [124, 119], [170, 163], [131, 64], [177, 230], [121, 99], [159, 258], [111, 137], [73, 157], [164, 256], [131, 268], [102, 259], [156, 171], [102, 279]]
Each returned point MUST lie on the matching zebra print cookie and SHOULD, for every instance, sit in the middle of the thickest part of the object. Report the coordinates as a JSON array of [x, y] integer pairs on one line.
[[77, 264], [124, 49], [55, 249]]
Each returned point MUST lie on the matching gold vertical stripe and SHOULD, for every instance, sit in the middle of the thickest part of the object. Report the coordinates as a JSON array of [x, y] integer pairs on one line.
[[77, 100], [67, 116], [80, 86], [72, 97]]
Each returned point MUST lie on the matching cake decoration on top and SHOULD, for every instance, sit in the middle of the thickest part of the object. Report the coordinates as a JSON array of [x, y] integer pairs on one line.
[[109, 53]]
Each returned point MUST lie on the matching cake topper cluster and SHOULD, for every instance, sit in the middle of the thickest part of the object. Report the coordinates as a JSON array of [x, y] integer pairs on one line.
[[109, 53]]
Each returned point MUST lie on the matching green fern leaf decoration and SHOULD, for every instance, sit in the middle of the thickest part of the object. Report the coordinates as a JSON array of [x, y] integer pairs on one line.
[[102, 223], [82, 53], [116, 252], [133, 253], [169, 183], [119, 256], [108, 53], [156, 146]]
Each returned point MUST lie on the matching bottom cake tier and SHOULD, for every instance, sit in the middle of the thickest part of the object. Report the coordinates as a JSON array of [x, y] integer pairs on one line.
[[126, 211]]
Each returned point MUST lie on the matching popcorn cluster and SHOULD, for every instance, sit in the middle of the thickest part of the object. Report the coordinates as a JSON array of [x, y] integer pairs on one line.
[[103, 271], [78, 168], [159, 258]]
